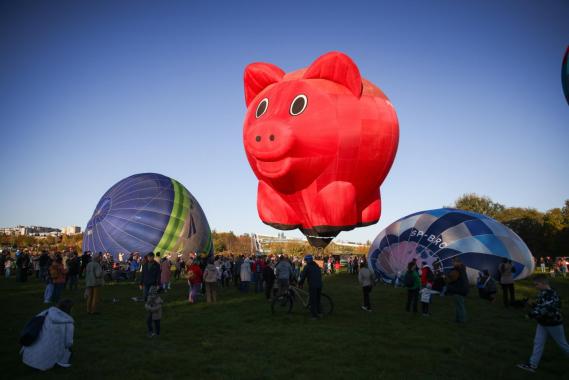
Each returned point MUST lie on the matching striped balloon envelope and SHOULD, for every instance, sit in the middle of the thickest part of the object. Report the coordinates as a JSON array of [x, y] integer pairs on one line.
[[435, 237], [148, 213]]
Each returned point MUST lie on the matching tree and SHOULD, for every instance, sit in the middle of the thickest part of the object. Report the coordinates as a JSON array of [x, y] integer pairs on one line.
[[479, 204]]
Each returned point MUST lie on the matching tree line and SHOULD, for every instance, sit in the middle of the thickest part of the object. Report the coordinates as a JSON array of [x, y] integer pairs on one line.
[[545, 233]]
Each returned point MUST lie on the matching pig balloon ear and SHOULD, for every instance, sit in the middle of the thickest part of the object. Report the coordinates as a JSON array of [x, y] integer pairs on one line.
[[339, 68], [258, 76]]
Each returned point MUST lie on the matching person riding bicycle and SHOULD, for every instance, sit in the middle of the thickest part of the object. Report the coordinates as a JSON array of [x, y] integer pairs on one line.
[[313, 273], [283, 271]]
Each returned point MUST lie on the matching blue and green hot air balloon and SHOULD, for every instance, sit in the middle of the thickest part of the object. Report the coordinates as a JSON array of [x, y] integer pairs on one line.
[[148, 213]]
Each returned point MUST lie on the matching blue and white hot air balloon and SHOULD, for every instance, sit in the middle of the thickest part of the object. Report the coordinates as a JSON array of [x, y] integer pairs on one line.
[[148, 213], [437, 236]]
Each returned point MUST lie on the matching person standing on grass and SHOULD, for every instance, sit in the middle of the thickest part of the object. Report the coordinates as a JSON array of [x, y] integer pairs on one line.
[[546, 310], [210, 278], [426, 297], [366, 280], [427, 276], [413, 285], [7, 266], [245, 275], [194, 281], [57, 274], [269, 278], [94, 283], [507, 271], [154, 308], [313, 274], [457, 285], [165, 273], [150, 274], [283, 272], [73, 270]]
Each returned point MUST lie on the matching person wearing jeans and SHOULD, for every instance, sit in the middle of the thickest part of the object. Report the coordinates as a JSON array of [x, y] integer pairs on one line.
[[547, 312], [413, 284], [365, 278], [457, 285]]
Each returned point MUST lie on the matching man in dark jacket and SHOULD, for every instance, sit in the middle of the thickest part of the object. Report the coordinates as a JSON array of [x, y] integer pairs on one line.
[[313, 273], [547, 312], [150, 274], [457, 285], [269, 278]]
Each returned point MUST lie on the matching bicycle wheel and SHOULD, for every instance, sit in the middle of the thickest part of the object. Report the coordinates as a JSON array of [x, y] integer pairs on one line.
[[281, 304], [326, 304]]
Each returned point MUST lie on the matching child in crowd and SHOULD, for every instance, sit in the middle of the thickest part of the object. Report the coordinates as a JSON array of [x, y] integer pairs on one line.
[[154, 307], [426, 295]]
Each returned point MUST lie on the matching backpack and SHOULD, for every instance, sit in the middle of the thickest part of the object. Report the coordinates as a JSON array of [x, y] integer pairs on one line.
[[409, 281], [32, 330]]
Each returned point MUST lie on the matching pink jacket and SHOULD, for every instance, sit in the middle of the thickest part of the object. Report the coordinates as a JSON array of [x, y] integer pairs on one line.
[[165, 272]]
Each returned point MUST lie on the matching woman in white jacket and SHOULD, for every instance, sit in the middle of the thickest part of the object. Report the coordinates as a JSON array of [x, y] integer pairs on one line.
[[53, 345], [366, 279], [245, 275]]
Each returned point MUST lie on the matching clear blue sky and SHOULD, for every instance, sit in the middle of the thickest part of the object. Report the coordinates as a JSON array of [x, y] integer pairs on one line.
[[92, 93]]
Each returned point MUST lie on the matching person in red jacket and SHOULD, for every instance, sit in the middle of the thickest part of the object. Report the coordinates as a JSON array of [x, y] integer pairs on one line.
[[194, 281], [427, 276]]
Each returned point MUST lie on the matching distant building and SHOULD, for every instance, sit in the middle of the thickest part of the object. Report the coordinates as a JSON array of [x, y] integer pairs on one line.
[[71, 230], [30, 231]]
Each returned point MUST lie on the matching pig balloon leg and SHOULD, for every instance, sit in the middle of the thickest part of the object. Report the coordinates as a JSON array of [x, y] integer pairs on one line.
[[274, 210], [372, 211], [336, 205]]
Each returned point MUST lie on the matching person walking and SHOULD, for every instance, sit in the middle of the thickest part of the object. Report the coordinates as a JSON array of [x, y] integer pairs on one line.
[[366, 280], [153, 306], [413, 285], [457, 285], [507, 271], [150, 274], [210, 279], [546, 310], [93, 283], [313, 273]]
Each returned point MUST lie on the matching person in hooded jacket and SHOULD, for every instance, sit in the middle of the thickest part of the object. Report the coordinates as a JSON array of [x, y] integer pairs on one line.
[[53, 345], [546, 310], [210, 279], [313, 274], [457, 285], [268, 278]]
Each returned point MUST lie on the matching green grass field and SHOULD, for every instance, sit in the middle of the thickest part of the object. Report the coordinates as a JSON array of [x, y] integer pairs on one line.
[[238, 338]]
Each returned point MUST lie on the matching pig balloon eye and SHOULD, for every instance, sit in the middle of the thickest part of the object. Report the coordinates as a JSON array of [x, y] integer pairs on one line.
[[262, 108], [298, 105]]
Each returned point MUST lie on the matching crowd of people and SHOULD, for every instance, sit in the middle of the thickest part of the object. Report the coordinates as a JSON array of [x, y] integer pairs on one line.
[[269, 275]]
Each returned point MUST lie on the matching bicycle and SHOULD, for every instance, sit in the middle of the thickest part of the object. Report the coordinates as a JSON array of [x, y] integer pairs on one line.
[[284, 303]]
